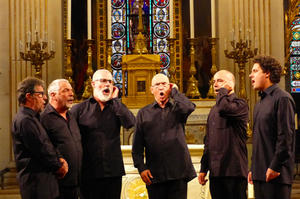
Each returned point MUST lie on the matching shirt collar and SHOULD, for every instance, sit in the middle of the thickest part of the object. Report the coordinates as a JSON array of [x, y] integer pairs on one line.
[[29, 111], [267, 91], [50, 109], [169, 103]]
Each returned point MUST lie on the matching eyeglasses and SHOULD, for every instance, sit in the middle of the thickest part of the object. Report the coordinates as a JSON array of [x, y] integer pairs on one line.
[[40, 93], [105, 80], [164, 84]]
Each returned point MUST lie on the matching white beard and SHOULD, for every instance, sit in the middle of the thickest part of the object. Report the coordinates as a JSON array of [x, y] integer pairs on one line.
[[101, 97]]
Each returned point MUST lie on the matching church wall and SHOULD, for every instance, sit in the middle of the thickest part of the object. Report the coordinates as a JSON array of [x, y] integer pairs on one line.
[[4, 85], [261, 21], [17, 18]]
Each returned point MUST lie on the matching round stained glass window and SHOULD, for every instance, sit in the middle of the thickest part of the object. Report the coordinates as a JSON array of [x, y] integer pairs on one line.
[[116, 60], [117, 31], [165, 60], [161, 3], [161, 30], [117, 3]]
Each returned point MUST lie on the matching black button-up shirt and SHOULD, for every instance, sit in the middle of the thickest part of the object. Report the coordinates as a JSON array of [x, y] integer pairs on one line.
[[100, 133], [160, 131], [225, 151], [274, 135], [35, 156], [65, 136]]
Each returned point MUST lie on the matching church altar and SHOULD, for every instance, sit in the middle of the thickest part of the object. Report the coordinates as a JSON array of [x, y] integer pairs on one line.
[[134, 187]]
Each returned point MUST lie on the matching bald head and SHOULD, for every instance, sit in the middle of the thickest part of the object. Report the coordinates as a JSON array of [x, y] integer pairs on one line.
[[100, 73], [224, 78], [159, 78]]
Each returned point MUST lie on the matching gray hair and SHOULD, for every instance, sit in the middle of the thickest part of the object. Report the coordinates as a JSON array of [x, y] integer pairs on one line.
[[54, 86]]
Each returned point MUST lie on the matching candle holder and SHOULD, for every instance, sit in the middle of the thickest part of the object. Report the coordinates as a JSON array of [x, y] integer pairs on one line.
[[68, 55], [88, 83], [109, 53], [192, 90], [172, 68], [214, 69], [241, 53], [35, 52]]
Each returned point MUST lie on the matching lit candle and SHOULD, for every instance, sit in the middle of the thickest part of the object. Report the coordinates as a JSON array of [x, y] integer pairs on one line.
[[213, 18], [225, 44], [192, 23], [89, 19], [69, 20], [29, 36], [108, 19], [171, 18]]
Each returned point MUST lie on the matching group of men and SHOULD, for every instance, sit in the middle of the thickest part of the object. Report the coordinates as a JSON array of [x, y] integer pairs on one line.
[[74, 152]]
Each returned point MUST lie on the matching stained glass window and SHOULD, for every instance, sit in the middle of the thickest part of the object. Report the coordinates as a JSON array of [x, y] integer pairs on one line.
[[295, 57], [124, 30]]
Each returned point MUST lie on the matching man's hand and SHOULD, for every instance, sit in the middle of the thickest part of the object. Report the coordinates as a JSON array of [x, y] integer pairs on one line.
[[201, 178], [115, 92], [229, 86], [173, 85], [63, 170], [271, 174], [250, 177], [146, 176]]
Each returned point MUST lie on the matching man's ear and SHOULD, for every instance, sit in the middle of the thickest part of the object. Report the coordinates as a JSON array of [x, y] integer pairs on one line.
[[93, 84], [268, 74], [28, 97], [151, 89]]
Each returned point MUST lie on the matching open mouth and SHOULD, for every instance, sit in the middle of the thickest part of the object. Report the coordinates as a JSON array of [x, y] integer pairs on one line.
[[106, 91], [161, 94]]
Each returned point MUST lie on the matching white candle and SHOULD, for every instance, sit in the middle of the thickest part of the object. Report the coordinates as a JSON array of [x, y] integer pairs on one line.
[[192, 23], [108, 19], [213, 18], [171, 18], [89, 19], [69, 20]]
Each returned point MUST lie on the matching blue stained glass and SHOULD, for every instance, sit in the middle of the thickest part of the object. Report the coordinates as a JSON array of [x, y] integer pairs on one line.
[[295, 57], [156, 21]]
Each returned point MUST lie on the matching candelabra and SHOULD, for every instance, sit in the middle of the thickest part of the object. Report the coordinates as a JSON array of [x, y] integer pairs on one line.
[[35, 52], [241, 53], [192, 90], [214, 69], [88, 83]]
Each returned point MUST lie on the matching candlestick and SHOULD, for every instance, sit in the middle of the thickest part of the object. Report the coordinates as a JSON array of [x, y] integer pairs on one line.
[[108, 19], [213, 18], [89, 19], [171, 19], [192, 22], [69, 20]]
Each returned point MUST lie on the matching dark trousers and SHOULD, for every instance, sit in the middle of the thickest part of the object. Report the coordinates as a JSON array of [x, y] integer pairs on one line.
[[173, 189], [68, 192], [228, 187], [265, 190], [104, 188]]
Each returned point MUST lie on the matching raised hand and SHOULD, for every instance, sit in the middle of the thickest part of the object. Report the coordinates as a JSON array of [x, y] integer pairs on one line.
[[115, 92]]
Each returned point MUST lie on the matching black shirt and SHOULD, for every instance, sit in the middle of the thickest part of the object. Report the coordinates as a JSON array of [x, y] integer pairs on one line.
[[65, 136], [35, 156], [100, 133], [274, 135], [225, 151], [160, 131]]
